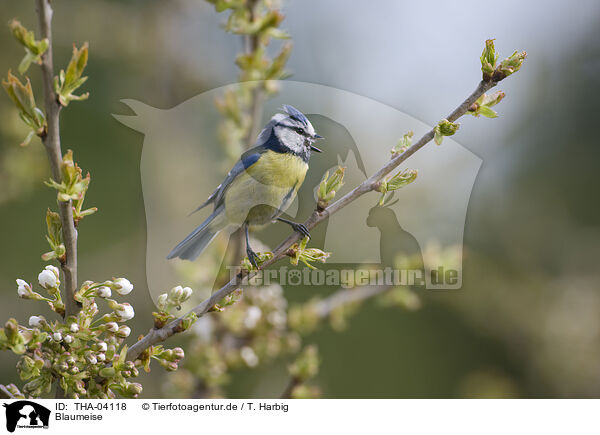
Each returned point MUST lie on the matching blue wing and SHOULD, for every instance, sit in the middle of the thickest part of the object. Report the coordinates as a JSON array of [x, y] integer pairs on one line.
[[266, 141]]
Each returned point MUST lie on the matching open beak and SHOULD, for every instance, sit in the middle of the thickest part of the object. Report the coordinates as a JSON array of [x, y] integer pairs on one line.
[[314, 148]]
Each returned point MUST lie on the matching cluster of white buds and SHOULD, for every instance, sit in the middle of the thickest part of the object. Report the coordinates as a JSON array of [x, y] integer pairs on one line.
[[176, 296], [180, 294]]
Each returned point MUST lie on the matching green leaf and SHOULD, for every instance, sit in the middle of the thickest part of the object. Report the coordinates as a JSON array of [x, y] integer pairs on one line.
[[487, 112], [69, 81], [33, 49], [488, 59]]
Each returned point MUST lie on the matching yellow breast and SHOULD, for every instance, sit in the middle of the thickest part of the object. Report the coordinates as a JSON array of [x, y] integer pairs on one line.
[[282, 170]]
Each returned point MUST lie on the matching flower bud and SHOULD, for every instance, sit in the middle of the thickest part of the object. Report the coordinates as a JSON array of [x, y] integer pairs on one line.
[[100, 357], [104, 292], [176, 294], [91, 358], [178, 353], [102, 347], [162, 302], [68, 339], [48, 278], [124, 331], [57, 336], [112, 326], [23, 289], [126, 312], [134, 389], [36, 321], [122, 286], [187, 292], [74, 327]]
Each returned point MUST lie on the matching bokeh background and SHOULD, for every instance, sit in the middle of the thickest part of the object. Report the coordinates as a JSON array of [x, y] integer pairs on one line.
[[526, 322]]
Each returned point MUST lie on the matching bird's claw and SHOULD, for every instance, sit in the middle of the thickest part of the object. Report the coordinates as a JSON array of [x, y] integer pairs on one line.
[[252, 257], [301, 228]]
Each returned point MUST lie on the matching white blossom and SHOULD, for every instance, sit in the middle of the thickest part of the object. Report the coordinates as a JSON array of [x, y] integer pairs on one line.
[[187, 292], [124, 331], [101, 357], [253, 315], [277, 318], [23, 288], [161, 303], [123, 286], [104, 292], [176, 293], [102, 347], [126, 312], [74, 327], [91, 358], [249, 356], [112, 326], [68, 339], [48, 278], [35, 321], [53, 269], [57, 336]]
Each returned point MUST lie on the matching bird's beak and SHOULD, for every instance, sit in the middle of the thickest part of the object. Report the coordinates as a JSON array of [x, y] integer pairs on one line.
[[316, 136]]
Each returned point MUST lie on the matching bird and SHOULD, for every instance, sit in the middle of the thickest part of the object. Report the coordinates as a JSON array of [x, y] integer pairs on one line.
[[260, 186]]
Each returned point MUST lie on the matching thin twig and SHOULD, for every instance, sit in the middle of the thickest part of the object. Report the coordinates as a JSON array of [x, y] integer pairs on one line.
[[251, 43], [51, 142], [158, 335]]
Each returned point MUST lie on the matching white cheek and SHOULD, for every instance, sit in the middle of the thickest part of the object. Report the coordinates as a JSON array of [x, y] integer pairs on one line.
[[292, 140]]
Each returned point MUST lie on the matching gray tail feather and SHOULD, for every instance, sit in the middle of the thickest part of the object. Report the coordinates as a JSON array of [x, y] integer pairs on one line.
[[193, 245]]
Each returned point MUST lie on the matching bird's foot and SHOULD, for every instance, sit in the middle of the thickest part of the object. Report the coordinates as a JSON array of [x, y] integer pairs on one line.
[[252, 257], [301, 228]]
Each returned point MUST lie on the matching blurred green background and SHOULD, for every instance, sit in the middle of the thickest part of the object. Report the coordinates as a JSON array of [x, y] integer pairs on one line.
[[526, 322]]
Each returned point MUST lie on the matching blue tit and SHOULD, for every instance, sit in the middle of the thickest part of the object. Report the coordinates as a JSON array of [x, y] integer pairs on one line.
[[261, 185]]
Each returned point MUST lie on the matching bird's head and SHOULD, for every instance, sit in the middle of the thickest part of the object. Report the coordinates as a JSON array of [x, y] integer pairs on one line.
[[295, 131]]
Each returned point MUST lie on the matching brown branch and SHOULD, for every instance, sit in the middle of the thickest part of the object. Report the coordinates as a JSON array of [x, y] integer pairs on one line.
[[158, 335], [51, 141]]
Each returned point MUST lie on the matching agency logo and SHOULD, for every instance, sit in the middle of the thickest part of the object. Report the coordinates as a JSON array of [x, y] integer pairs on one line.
[[24, 414]]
